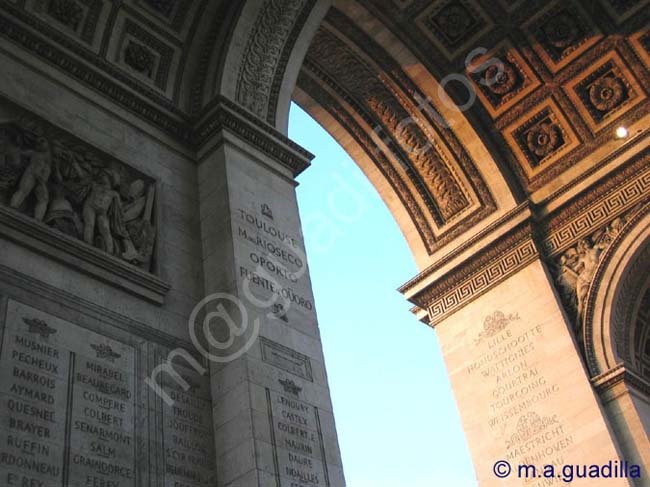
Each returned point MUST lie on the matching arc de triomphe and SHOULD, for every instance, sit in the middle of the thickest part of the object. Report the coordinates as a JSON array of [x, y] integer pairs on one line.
[[146, 178]]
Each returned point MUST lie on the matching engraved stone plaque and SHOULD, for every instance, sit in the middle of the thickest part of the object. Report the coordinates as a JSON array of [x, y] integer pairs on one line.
[[286, 359], [297, 442], [67, 398], [187, 433]]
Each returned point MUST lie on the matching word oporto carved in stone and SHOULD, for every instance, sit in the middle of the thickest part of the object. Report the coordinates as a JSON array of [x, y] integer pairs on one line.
[[75, 190]]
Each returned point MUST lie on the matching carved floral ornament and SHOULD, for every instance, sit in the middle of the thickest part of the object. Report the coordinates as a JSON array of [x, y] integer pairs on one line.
[[72, 189], [140, 58]]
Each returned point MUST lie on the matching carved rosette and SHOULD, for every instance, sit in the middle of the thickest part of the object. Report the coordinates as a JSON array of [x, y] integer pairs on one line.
[[68, 12], [540, 138], [140, 58], [501, 80], [71, 188], [604, 92], [453, 24], [561, 33]]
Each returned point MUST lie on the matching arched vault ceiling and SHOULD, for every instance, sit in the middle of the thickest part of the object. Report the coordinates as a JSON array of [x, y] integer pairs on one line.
[[541, 86], [149, 55]]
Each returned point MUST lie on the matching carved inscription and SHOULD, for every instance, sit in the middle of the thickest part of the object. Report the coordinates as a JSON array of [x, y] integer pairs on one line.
[[297, 441], [286, 359], [505, 360], [187, 434], [275, 259], [68, 415]]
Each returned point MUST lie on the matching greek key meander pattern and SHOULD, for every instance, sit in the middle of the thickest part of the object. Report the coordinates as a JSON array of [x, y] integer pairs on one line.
[[585, 214], [597, 215], [483, 279]]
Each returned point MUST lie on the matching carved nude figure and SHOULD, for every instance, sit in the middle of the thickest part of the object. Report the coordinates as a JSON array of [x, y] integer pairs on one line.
[[103, 205], [35, 178]]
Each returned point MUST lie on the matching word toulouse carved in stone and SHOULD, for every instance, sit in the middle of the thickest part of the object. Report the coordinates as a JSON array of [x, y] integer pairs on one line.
[[70, 187]]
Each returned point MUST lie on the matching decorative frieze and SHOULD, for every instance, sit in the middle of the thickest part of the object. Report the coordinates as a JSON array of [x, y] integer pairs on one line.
[[78, 191], [263, 52], [477, 275]]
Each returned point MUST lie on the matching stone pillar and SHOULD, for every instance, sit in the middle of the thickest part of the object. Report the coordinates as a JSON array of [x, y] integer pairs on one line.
[[522, 390], [271, 405]]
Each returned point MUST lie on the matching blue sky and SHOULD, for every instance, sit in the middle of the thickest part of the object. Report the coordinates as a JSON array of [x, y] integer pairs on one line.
[[395, 413]]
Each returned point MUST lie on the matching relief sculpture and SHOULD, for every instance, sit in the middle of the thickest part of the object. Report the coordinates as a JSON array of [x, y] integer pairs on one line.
[[74, 190], [576, 267]]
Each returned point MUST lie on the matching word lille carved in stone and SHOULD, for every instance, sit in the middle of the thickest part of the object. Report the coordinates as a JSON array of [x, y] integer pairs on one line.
[[70, 188]]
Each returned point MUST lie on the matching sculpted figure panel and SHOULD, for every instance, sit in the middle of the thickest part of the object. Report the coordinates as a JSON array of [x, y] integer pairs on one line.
[[75, 190]]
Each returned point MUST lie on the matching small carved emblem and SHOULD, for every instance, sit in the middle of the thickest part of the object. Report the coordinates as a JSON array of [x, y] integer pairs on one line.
[[494, 323], [529, 425], [39, 327], [501, 78], [267, 212], [105, 352], [280, 312], [290, 387]]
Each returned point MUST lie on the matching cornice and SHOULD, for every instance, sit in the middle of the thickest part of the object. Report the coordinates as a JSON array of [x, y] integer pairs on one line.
[[100, 76], [85, 258], [457, 251], [549, 236], [10, 278], [610, 197], [227, 115], [617, 375], [479, 273]]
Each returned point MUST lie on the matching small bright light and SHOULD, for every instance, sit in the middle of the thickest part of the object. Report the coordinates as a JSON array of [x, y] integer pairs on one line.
[[621, 133]]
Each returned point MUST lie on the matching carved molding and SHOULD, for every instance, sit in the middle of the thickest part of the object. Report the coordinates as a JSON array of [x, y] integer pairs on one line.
[[435, 181], [284, 60], [613, 196], [623, 306], [307, 83], [263, 53], [168, 119], [476, 276], [87, 259], [230, 116], [404, 288], [619, 375]]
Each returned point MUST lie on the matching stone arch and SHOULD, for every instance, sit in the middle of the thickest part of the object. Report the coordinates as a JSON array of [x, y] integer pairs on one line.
[[420, 151], [615, 298]]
